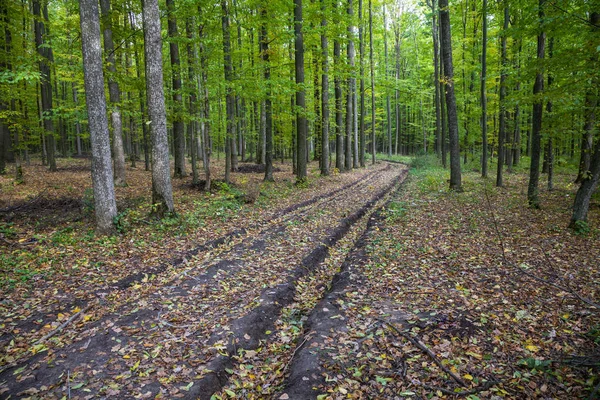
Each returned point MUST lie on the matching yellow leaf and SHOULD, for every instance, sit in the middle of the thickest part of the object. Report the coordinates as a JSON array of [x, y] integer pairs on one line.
[[87, 317], [126, 356], [468, 377], [76, 309], [532, 348], [60, 316]]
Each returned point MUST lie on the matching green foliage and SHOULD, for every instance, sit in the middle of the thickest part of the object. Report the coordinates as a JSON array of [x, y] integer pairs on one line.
[[395, 210], [425, 162], [7, 230], [535, 364], [581, 228], [88, 201]]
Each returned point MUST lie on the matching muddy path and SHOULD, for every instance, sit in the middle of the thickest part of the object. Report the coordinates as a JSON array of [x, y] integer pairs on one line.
[[126, 289], [179, 333]]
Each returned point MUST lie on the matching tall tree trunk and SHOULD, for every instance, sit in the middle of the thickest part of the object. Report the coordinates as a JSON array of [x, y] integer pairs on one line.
[[550, 149], [361, 49], [230, 98], [46, 58], [591, 103], [351, 93], [105, 205], [484, 138], [339, 138], [538, 107], [503, 112], [301, 128], [192, 101], [388, 109], [324, 92], [436, 74], [372, 67], [268, 123], [205, 113], [114, 95], [162, 190], [455, 174], [178, 126]]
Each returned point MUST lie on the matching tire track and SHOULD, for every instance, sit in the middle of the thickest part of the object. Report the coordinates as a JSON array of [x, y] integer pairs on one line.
[[245, 330]]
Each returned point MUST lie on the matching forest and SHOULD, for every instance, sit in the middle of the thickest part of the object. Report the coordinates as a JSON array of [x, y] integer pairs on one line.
[[299, 199]]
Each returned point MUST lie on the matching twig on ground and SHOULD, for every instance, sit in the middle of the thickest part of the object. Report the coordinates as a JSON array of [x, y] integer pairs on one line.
[[63, 325], [487, 385], [15, 208], [426, 350], [524, 272], [306, 339]]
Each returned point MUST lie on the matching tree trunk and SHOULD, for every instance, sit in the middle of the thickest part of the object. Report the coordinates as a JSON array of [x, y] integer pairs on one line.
[[230, 98], [105, 205], [372, 66], [446, 39], [114, 95], [581, 204], [301, 128], [388, 109], [503, 112], [484, 138], [436, 74], [192, 101], [591, 103], [324, 93], [361, 49], [536, 129], [268, 123], [46, 58], [550, 149], [339, 138], [178, 126], [162, 190]]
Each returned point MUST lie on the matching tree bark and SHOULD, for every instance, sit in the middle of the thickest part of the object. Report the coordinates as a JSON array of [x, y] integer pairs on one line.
[[162, 190], [178, 126], [114, 96], [268, 114], [105, 204], [446, 38], [372, 66], [46, 58], [536, 129], [436, 75], [301, 128], [361, 49], [339, 137], [324, 93], [484, 138], [229, 98], [503, 113]]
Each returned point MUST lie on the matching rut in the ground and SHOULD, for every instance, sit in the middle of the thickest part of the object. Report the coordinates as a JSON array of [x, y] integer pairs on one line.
[[238, 237], [179, 340]]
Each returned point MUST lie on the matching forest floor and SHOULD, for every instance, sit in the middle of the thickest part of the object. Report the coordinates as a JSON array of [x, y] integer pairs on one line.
[[368, 284]]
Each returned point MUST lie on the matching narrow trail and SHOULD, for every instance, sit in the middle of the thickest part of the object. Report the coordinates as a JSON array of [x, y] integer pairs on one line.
[[180, 333]]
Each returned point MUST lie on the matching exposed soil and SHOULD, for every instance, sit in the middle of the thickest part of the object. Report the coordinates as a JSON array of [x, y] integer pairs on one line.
[[208, 298]]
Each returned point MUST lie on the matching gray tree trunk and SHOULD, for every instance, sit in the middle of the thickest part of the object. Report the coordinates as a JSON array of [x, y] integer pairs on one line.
[[446, 39], [114, 96], [484, 138], [178, 125], [361, 49], [268, 114], [503, 113], [301, 128], [339, 137], [536, 128], [162, 189], [102, 174], [324, 93], [372, 67], [46, 58]]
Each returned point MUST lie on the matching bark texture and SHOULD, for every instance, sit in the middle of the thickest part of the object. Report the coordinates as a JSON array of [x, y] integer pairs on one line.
[[162, 190], [446, 39], [102, 174]]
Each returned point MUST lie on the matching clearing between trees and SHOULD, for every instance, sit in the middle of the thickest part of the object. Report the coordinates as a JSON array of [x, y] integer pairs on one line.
[[369, 284]]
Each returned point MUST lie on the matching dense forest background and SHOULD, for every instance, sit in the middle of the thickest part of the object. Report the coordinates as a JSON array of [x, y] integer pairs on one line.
[[254, 81]]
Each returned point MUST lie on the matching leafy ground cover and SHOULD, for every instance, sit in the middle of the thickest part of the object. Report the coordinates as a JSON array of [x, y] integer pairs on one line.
[[360, 285]]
